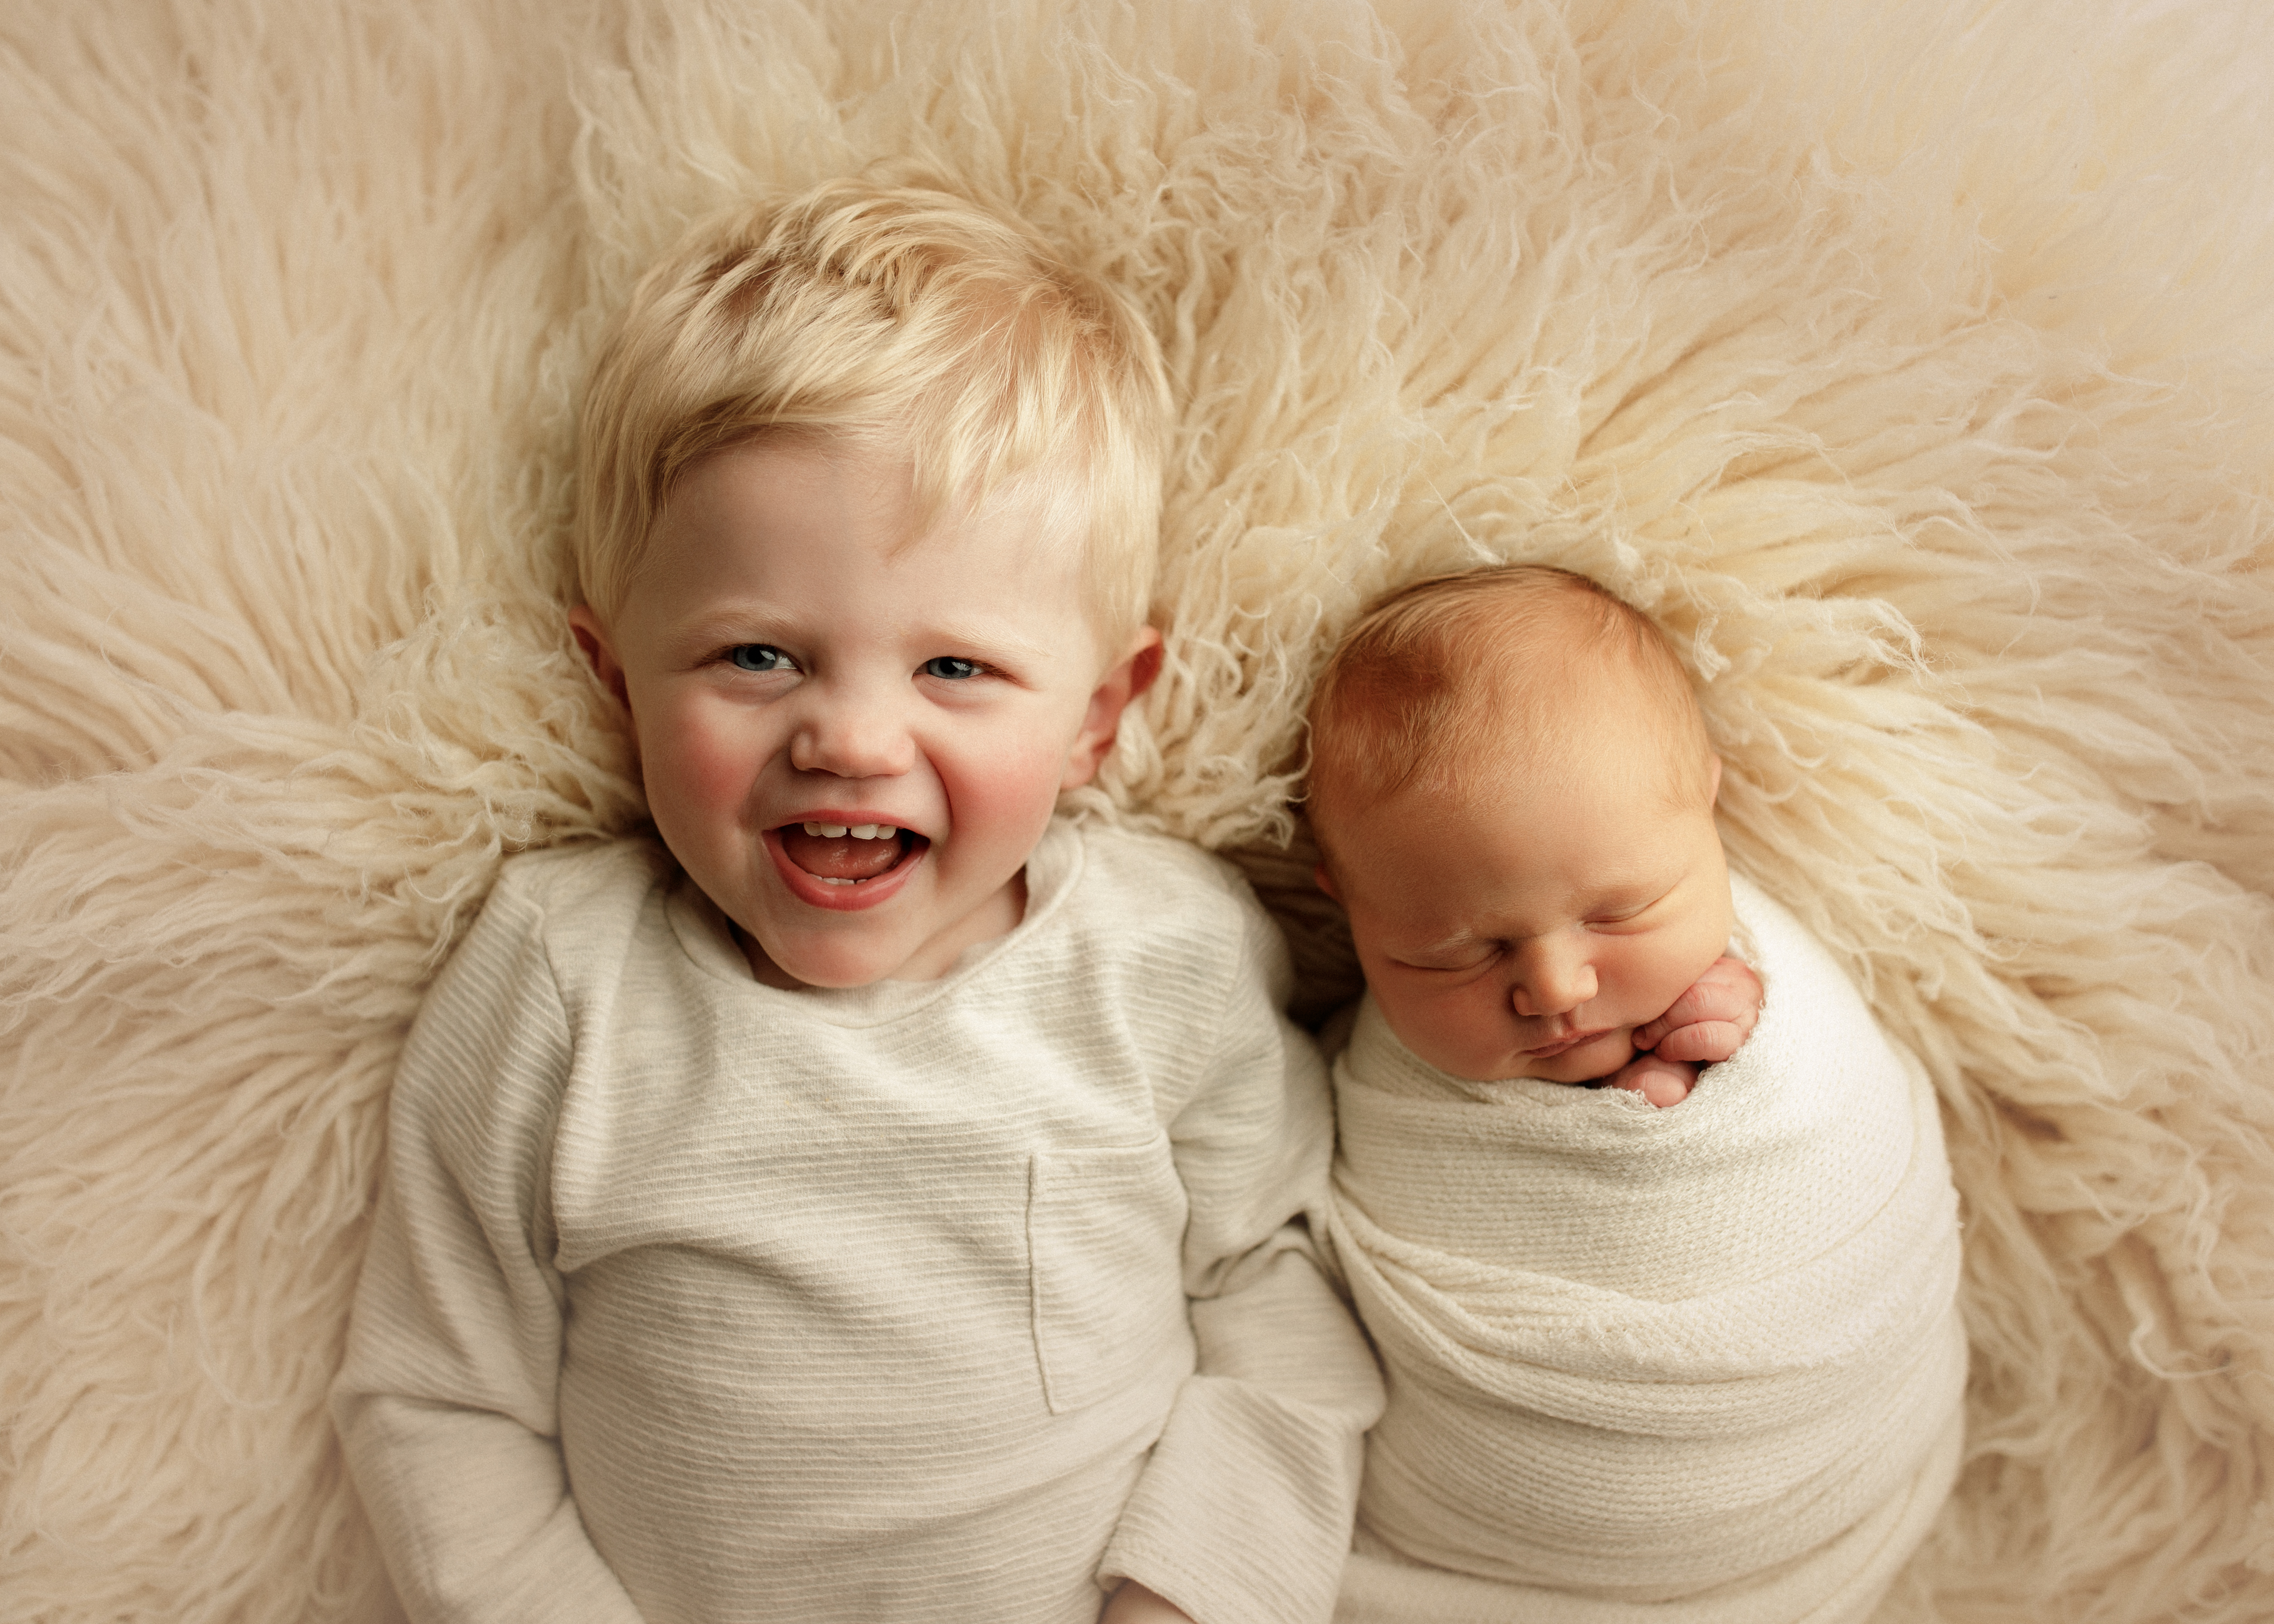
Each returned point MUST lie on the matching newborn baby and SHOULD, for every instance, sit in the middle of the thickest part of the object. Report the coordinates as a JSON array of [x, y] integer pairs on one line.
[[1683, 1348]]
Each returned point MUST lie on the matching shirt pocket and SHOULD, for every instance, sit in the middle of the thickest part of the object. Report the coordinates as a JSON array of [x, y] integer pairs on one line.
[[1104, 1241]]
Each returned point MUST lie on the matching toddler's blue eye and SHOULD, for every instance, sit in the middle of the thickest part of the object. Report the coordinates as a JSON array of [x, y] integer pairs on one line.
[[949, 666], [757, 657]]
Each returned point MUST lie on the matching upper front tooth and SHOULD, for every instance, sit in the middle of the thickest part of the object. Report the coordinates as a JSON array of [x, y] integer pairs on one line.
[[829, 831], [868, 832]]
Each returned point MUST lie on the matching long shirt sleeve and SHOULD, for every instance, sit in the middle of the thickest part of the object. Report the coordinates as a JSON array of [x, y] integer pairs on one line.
[[448, 1402]]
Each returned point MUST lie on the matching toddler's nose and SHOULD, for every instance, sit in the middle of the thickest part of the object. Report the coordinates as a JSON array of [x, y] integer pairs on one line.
[[851, 738]]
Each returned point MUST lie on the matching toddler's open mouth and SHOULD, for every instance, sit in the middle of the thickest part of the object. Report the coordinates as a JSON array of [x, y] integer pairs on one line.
[[847, 854]]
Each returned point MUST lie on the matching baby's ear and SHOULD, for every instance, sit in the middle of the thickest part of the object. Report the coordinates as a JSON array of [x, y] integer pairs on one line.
[[592, 639], [1713, 780]]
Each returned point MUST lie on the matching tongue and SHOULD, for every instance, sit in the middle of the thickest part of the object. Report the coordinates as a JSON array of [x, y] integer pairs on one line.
[[839, 857]]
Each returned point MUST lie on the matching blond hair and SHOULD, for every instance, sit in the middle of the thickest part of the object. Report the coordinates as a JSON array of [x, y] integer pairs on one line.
[[1478, 671], [896, 317]]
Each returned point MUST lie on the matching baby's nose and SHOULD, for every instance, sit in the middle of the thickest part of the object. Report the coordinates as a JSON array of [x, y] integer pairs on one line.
[[1552, 979]]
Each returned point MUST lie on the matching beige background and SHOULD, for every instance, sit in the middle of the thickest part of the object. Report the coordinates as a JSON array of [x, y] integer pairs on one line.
[[1910, 362]]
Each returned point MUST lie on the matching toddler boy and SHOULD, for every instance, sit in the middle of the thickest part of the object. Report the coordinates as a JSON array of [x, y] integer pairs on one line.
[[1701, 1361], [883, 1200]]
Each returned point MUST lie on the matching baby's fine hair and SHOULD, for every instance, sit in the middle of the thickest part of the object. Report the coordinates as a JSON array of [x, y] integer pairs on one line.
[[892, 317], [1480, 669]]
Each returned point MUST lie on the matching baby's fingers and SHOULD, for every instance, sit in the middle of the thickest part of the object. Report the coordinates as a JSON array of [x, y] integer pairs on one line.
[[1727, 992], [1701, 1042], [1655, 1080]]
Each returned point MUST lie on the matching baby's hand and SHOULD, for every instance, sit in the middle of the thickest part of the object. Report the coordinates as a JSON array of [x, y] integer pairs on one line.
[[1662, 1082], [1133, 1603], [1710, 1021]]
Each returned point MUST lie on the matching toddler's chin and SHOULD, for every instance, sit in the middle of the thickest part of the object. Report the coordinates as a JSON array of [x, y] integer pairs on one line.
[[795, 967]]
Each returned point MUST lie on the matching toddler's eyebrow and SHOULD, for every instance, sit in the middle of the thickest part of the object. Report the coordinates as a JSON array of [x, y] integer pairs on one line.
[[728, 622]]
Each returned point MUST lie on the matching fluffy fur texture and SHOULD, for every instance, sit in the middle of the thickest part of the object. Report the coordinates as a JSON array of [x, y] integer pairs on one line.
[[1908, 362]]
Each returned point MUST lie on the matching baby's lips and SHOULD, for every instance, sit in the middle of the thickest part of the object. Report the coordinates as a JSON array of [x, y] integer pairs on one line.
[[1549, 1050]]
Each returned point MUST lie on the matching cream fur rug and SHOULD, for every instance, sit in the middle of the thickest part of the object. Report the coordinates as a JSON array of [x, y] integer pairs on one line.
[[1910, 360]]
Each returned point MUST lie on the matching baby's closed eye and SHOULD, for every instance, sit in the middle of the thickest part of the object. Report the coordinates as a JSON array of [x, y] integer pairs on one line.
[[1633, 909]]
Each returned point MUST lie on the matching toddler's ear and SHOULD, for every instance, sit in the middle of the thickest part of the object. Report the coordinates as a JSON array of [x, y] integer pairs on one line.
[[592, 638], [1125, 682]]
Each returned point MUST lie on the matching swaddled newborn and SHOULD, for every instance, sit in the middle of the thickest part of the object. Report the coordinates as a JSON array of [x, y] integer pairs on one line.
[[1683, 1347]]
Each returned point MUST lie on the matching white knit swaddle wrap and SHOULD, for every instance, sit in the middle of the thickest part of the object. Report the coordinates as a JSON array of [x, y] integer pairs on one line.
[[1700, 1364]]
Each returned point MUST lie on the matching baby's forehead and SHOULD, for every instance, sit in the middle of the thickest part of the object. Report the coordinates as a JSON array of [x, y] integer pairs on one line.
[[1578, 745], [1524, 669], [1508, 778], [1529, 706]]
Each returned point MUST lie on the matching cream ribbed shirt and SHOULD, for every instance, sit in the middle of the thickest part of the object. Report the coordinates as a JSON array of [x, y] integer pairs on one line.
[[692, 1298]]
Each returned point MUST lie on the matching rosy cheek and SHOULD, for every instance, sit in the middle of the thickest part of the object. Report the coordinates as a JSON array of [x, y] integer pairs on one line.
[[719, 782], [696, 762], [1003, 789], [1659, 977], [1628, 980]]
